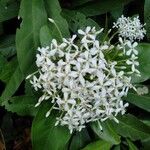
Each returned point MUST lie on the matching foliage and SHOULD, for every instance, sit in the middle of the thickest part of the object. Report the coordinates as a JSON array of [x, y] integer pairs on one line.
[[17, 60]]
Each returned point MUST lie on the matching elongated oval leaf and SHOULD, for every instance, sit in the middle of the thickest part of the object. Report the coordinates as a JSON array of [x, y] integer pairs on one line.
[[45, 135], [12, 84], [147, 17], [8, 11], [77, 20], [98, 145], [45, 36], [142, 101], [22, 105], [144, 53], [131, 145], [108, 133], [54, 11], [101, 7], [27, 38], [79, 140], [129, 126]]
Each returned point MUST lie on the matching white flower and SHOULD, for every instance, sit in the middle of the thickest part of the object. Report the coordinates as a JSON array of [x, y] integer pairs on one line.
[[70, 43], [132, 49], [129, 28], [36, 83], [89, 36], [57, 49], [133, 62]]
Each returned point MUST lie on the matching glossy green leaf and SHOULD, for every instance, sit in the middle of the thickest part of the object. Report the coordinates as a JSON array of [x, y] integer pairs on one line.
[[142, 101], [45, 135], [45, 35], [79, 140], [131, 127], [22, 105], [7, 70], [117, 12], [8, 10], [98, 145], [27, 38], [54, 11], [138, 79], [147, 17], [49, 32], [108, 133], [77, 20], [7, 46], [101, 7], [117, 147], [144, 53], [12, 84]]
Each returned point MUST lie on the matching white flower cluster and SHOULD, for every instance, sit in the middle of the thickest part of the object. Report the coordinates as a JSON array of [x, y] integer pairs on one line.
[[85, 79], [130, 28], [142, 90], [129, 50]]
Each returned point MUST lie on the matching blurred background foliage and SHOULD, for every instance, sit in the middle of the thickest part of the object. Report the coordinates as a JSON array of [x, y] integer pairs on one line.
[[24, 26]]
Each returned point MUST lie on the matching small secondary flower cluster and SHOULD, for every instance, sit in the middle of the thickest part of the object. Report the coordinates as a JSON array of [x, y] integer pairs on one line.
[[84, 78], [130, 28], [142, 90]]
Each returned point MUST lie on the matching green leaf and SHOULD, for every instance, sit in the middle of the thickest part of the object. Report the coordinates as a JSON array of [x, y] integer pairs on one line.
[[131, 127], [101, 7], [117, 12], [12, 84], [8, 11], [146, 121], [138, 79], [45, 135], [79, 140], [7, 46], [54, 11], [144, 53], [7, 70], [49, 32], [22, 105], [142, 101], [27, 38], [108, 133], [98, 145], [117, 147], [45, 35], [77, 20], [147, 17], [131, 145]]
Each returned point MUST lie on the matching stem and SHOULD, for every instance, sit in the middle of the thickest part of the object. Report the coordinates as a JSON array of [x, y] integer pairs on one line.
[[49, 112], [106, 35], [52, 21], [30, 75], [113, 36]]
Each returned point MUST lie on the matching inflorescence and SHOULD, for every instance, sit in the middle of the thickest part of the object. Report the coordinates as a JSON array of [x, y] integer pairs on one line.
[[84, 78]]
